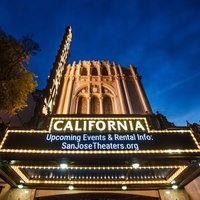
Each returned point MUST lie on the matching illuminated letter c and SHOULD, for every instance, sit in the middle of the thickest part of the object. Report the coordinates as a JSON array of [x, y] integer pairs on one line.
[[55, 126]]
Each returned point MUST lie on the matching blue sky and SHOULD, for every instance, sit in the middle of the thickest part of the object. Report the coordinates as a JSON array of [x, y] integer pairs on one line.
[[160, 37]]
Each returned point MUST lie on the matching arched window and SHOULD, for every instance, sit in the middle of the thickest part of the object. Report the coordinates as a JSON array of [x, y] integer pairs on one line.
[[82, 105], [95, 106], [83, 71], [107, 105], [94, 71], [104, 71]]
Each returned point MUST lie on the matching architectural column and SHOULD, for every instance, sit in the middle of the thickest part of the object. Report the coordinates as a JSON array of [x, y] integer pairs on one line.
[[126, 91], [193, 189], [101, 96], [88, 104], [140, 91], [119, 89], [173, 195], [21, 194], [61, 103], [127, 95], [68, 94], [114, 106], [101, 104], [5, 190]]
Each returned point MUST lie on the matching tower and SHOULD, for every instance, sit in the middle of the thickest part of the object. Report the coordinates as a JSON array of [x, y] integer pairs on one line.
[[56, 75]]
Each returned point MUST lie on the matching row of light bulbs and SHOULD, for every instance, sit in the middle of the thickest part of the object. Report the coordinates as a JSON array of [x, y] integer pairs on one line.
[[99, 177], [124, 187], [43, 151], [134, 166]]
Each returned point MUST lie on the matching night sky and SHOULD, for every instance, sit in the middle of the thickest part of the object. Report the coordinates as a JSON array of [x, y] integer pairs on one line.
[[160, 37]]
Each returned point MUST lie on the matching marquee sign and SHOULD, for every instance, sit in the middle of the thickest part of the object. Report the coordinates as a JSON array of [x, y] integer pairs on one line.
[[99, 136], [96, 125]]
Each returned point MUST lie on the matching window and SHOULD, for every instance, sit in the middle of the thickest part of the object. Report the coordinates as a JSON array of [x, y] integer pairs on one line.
[[94, 71], [107, 105], [83, 71], [95, 106], [82, 105], [104, 71]]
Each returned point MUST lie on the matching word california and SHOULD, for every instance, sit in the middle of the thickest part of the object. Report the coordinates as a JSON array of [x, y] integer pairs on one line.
[[99, 125]]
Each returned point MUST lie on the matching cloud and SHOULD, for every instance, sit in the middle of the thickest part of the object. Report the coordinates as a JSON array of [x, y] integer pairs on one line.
[[177, 84]]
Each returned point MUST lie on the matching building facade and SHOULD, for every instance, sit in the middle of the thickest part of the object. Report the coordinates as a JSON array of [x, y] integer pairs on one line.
[[98, 87], [94, 136]]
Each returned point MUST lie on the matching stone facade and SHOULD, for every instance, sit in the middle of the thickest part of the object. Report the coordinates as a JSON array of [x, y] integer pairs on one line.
[[99, 87], [193, 189]]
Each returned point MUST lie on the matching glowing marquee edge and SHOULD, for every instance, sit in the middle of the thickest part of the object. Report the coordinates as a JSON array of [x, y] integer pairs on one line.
[[43, 151], [90, 122], [179, 170]]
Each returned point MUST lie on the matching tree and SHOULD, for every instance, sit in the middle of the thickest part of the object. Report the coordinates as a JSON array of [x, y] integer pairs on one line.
[[16, 81]]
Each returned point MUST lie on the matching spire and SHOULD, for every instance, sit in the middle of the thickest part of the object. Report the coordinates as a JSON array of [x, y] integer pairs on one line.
[[56, 74]]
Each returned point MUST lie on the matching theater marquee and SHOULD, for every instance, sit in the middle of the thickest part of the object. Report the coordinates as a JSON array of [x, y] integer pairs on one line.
[[99, 136]]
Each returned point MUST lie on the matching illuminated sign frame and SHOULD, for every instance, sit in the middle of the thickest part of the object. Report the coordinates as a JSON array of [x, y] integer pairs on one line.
[[19, 170], [97, 124], [140, 132]]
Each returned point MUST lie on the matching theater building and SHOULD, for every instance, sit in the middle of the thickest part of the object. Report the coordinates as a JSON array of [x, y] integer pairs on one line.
[[94, 136]]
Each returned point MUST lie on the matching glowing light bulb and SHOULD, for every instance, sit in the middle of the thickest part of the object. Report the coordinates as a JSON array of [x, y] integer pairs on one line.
[[124, 187], [20, 186], [135, 165], [71, 187], [174, 187], [63, 166]]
